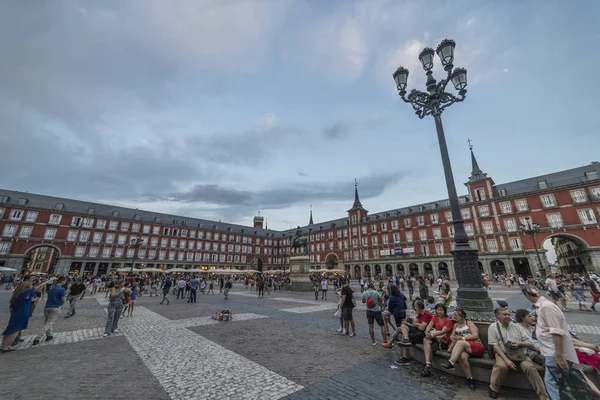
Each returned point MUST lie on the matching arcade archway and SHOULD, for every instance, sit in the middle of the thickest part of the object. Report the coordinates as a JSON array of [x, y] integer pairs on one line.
[[331, 261], [428, 269], [367, 271], [357, 274], [41, 258], [400, 269], [413, 269], [377, 270], [498, 267], [388, 270], [568, 252], [443, 269]]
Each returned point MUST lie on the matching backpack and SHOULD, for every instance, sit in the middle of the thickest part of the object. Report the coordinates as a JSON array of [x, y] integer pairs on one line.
[[370, 302]]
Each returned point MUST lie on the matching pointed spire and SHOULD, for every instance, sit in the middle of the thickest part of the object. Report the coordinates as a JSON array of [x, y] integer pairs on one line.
[[476, 172], [266, 223], [310, 222], [357, 203]]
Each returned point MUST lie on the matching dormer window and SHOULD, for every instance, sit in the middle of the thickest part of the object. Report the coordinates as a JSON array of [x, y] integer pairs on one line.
[[59, 206], [591, 175], [542, 185], [91, 211], [23, 202], [115, 214], [480, 194], [502, 192]]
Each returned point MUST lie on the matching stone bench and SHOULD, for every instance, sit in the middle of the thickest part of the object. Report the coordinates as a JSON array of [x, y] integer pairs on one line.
[[482, 369]]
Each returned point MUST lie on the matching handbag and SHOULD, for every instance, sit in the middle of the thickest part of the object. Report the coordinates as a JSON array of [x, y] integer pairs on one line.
[[514, 357], [572, 384]]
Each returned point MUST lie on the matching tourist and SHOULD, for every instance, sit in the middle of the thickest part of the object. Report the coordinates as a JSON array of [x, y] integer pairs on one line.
[[126, 298], [374, 301], [527, 321], [115, 307], [181, 288], [54, 302], [324, 289], [439, 283], [594, 288], [577, 291], [412, 332], [555, 342], [228, 286], [193, 290], [397, 305], [316, 289], [132, 300], [165, 290], [76, 292], [437, 336], [446, 295], [555, 292], [411, 287], [211, 288], [348, 305], [507, 339], [20, 304], [464, 344]]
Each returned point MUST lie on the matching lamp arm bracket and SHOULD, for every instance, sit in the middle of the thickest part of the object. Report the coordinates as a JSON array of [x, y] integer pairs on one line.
[[447, 99]]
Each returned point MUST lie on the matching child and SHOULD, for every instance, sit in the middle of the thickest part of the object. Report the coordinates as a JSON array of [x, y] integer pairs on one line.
[[126, 300], [132, 299]]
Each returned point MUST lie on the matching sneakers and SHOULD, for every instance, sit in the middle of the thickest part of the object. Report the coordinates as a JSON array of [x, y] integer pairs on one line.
[[115, 331], [403, 361], [448, 365], [405, 343], [374, 343], [105, 335], [353, 334], [340, 330], [49, 338], [386, 345], [36, 342], [471, 383], [426, 371], [492, 394]]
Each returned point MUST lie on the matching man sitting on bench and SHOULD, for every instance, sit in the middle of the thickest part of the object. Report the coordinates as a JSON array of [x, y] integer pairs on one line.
[[413, 332]]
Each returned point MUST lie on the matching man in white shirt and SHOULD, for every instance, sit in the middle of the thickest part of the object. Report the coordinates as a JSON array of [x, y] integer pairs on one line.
[[324, 289], [553, 336], [555, 293], [180, 288]]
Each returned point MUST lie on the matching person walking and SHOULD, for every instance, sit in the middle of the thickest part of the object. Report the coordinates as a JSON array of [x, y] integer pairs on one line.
[[193, 290], [374, 302], [76, 292], [54, 302], [552, 334], [228, 286], [115, 307], [166, 289], [347, 305], [324, 283], [132, 299]]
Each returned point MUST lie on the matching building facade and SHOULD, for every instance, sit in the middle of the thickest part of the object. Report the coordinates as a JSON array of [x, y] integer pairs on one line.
[[62, 236]]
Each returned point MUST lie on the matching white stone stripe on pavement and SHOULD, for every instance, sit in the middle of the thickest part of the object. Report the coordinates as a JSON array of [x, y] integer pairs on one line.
[[309, 309], [63, 337], [589, 329], [190, 366]]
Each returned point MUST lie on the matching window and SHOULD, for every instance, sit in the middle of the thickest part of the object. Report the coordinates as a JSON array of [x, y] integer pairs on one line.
[[394, 224], [407, 222], [435, 219], [374, 240], [385, 239], [505, 207], [115, 214], [578, 196], [484, 211], [72, 236], [106, 252], [521, 205], [182, 243], [156, 230], [112, 225], [510, 225], [448, 215], [384, 226], [542, 184], [554, 220], [146, 229], [101, 224], [25, 232], [173, 243], [587, 216], [97, 237], [480, 194], [9, 230], [124, 226], [4, 199], [31, 216], [502, 192], [548, 200], [363, 230], [439, 249], [16, 215], [84, 236], [420, 220], [488, 227], [162, 255], [79, 251], [591, 175], [59, 206], [492, 245], [396, 238], [110, 238], [4, 247], [437, 233], [55, 219], [119, 252], [135, 228], [465, 213], [130, 253], [88, 222], [423, 235], [50, 233], [93, 252], [154, 242], [76, 221], [122, 239], [424, 250], [409, 236], [373, 228], [450, 231], [515, 244], [469, 229], [164, 242], [91, 211], [595, 192]]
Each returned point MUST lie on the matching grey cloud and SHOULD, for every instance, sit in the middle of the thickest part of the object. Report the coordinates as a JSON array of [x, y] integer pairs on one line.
[[343, 128]]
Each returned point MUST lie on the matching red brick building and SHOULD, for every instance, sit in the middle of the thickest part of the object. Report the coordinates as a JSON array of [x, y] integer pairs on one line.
[[418, 239]]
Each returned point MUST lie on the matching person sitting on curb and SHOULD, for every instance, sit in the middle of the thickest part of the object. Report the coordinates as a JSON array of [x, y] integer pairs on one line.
[[437, 335], [507, 340], [464, 344], [527, 321], [413, 332]]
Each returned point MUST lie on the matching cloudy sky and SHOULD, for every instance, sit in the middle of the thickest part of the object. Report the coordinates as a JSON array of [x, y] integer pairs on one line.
[[218, 109]]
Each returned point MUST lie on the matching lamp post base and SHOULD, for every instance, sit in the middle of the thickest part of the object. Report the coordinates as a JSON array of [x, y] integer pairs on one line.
[[471, 295]]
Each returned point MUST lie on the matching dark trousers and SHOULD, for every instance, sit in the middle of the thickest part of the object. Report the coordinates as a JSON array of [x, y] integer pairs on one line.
[[180, 292], [192, 298]]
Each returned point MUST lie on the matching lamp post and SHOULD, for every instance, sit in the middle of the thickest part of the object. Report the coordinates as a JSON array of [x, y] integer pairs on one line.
[[529, 227], [136, 243], [470, 295]]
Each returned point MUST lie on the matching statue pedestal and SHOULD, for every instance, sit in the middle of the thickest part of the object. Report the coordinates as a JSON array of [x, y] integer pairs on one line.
[[299, 273]]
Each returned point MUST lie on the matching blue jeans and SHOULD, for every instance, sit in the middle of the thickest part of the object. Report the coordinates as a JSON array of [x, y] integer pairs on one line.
[[553, 372]]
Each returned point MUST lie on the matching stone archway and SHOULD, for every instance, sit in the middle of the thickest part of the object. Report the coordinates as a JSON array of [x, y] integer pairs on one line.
[[498, 267], [377, 270], [428, 269], [368, 271], [569, 252], [357, 273], [331, 261], [388, 270], [41, 258], [444, 271], [400, 269], [413, 269]]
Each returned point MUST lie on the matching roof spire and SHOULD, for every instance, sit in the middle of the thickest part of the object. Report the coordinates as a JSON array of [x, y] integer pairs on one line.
[[310, 222], [357, 203], [476, 172], [266, 223]]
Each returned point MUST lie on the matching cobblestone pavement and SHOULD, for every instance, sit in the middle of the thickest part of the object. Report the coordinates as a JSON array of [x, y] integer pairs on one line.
[[282, 345]]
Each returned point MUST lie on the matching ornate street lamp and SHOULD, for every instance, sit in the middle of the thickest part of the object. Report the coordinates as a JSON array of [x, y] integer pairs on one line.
[[136, 243], [529, 227], [470, 295]]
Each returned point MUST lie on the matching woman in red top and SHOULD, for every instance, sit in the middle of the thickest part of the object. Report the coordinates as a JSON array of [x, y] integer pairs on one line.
[[438, 331]]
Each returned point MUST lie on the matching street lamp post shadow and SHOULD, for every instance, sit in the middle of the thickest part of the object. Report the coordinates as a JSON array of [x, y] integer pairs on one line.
[[471, 295], [529, 227]]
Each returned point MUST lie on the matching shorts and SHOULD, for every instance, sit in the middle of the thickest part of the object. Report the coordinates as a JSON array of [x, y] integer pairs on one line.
[[347, 313], [131, 301], [375, 316], [415, 335], [596, 297], [399, 317], [324, 290], [477, 349], [556, 295]]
